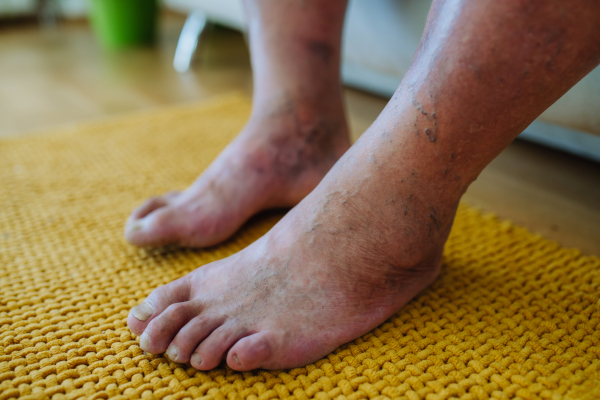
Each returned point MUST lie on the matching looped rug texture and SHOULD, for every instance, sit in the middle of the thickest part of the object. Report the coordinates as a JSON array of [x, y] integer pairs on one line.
[[512, 315]]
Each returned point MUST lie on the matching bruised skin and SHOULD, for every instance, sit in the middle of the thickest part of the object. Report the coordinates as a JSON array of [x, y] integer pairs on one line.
[[340, 263], [280, 156]]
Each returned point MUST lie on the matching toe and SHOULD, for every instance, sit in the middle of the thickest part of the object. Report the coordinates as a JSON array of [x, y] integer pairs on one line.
[[252, 352], [211, 351], [158, 228], [149, 205], [162, 329], [162, 297], [172, 195], [188, 337]]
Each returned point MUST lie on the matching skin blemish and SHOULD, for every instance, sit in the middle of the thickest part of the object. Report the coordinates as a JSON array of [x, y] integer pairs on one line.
[[392, 200], [419, 107], [285, 106], [434, 217], [321, 50], [430, 135], [387, 135]]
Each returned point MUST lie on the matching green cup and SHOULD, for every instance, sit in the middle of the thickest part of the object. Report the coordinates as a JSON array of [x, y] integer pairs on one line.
[[124, 23]]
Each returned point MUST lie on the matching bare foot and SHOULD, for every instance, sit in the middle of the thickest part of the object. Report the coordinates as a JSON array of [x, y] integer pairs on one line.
[[351, 254], [296, 133], [281, 155]]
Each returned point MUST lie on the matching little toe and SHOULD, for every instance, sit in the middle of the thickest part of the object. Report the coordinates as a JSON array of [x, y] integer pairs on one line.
[[187, 339], [162, 329], [162, 297], [212, 350], [251, 352]]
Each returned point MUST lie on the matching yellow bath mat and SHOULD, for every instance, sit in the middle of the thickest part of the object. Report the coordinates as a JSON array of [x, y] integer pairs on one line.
[[511, 316]]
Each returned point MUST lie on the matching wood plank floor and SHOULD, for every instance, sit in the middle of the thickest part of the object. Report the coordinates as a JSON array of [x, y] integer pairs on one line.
[[56, 78]]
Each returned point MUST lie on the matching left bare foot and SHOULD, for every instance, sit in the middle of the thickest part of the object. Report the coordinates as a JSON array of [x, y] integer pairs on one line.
[[352, 253], [281, 155]]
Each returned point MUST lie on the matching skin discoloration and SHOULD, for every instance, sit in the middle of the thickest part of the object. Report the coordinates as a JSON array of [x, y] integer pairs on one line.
[[321, 50], [428, 120], [387, 135], [433, 215], [302, 145], [277, 160], [392, 201], [430, 135]]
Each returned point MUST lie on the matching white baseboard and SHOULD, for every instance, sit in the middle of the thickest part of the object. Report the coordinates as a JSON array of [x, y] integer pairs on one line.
[[369, 80], [566, 139]]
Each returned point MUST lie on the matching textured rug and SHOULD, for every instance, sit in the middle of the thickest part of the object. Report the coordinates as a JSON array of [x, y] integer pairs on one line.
[[511, 316]]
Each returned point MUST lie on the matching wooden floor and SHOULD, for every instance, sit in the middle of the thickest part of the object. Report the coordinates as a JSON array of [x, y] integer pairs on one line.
[[56, 78]]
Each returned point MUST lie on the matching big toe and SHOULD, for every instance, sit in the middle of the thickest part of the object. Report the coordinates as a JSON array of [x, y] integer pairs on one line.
[[148, 206], [157, 228], [156, 303]]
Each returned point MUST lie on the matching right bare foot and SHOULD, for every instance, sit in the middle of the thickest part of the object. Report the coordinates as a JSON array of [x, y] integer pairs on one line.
[[352, 253], [279, 157]]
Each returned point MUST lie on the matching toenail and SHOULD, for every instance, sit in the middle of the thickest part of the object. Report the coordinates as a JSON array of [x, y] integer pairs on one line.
[[173, 352], [143, 311], [196, 359], [135, 226], [236, 359], [144, 341]]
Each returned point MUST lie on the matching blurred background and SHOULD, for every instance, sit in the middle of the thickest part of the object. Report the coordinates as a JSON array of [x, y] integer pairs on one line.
[[65, 62]]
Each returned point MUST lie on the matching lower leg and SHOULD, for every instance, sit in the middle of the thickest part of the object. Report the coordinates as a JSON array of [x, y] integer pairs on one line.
[[370, 236], [295, 50], [296, 132], [485, 70]]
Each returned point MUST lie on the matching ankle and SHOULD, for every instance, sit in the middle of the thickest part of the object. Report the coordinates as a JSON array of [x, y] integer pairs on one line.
[[311, 103], [296, 115]]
